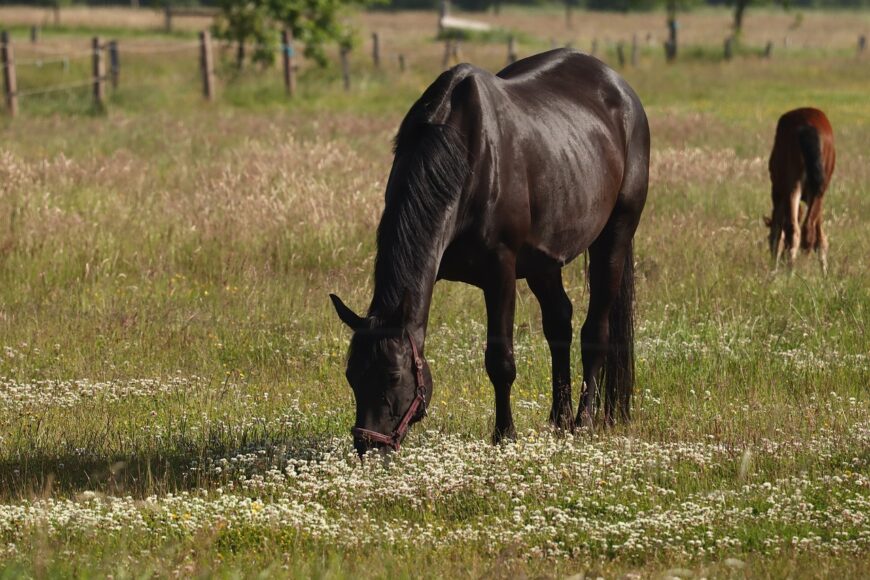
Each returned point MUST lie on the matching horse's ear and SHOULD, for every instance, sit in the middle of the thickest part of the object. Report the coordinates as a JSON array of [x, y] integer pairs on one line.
[[767, 220], [348, 316]]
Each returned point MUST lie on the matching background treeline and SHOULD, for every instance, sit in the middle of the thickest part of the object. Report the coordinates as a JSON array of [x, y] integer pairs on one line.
[[480, 5]]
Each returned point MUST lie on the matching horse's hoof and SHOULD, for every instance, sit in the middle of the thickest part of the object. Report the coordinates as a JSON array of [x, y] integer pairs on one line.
[[563, 421], [585, 421], [502, 435]]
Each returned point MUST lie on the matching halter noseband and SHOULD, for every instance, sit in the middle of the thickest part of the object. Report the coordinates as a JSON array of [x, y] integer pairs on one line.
[[395, 438]]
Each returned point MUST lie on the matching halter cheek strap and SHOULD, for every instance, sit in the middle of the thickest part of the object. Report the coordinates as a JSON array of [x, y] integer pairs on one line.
[[394, 439]]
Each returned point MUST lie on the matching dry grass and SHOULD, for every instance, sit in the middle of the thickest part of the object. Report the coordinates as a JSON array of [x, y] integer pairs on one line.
[[98, 17], [172, 399]]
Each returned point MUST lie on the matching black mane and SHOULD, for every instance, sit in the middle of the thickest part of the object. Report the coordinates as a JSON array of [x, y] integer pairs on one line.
[[429, 170]]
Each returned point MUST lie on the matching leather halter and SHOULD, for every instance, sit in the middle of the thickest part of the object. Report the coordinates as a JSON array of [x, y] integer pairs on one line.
[[395, 438]]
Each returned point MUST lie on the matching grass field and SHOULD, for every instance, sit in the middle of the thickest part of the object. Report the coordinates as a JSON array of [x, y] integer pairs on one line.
[[172, 398]]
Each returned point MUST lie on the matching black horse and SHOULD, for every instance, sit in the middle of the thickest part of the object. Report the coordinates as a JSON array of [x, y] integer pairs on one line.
[[496, 178]]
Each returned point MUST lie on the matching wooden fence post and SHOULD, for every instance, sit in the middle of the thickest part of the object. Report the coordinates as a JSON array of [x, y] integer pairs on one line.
[[620, 53], [671, 42], [99, 73], [289, 62], [456, 52], [114, 63], [34, 34], [345, 67], [729, 48], [401, 63], [448, 51], [376, 50], [10, 87], [206, 64], [512, 50], [167, 18], [768, 49], [862, 44], [634, 50]]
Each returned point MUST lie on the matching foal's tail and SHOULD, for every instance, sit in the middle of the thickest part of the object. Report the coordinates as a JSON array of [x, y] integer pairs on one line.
[[618, 379], [811, 150]]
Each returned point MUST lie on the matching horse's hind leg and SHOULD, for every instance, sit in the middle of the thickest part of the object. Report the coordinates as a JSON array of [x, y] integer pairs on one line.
[[822, 247], [606, 264], [792, 226], [813, 236], [500, 297], [556, 312]]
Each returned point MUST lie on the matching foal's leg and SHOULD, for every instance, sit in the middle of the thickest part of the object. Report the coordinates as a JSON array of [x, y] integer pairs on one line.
[[556, 311], [814, 232], [607, 260], [822, 248], [500, 296], [792, 226], [776, 238]]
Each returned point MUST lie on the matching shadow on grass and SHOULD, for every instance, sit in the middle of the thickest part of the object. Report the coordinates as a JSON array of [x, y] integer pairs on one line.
[[182, 468]]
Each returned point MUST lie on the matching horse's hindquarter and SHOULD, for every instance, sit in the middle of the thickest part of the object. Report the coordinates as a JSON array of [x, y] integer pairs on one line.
[[548, 144], [563, 142], [574, 161]]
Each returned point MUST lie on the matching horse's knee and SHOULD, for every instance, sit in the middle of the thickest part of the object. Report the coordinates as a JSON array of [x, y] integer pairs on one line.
[[500, 365]]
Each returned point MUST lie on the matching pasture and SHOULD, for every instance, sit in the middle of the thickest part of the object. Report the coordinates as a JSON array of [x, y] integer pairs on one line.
[[172, 391]]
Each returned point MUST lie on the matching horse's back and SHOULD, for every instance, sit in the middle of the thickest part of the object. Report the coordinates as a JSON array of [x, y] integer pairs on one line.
[[554, 137]]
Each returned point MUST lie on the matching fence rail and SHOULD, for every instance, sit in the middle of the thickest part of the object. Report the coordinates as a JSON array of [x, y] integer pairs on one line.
[[105, 68]]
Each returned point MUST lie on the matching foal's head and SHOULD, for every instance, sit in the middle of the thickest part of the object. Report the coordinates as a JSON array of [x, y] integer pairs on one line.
[[383, 373]]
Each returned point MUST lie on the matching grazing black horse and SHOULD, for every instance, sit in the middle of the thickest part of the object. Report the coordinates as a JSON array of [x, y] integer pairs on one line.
[[496, 178]]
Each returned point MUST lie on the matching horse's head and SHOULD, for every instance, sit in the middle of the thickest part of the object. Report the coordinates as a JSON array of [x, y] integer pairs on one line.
[[390, 379]]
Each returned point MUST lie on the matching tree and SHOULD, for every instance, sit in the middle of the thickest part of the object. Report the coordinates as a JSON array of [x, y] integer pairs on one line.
[[241, 21], [314, 23], [740, 7]]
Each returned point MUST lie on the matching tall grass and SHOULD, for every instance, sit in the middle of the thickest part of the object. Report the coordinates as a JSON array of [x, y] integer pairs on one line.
[[164, 271]]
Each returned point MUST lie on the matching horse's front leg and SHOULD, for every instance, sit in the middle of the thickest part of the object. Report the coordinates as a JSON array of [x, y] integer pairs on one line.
[[500, 295]]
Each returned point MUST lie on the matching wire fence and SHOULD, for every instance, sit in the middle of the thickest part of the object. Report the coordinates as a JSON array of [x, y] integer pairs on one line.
[[104, 61]]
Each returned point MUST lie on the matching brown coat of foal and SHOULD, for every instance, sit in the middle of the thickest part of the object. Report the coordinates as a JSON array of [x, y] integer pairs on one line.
[[801, 165]]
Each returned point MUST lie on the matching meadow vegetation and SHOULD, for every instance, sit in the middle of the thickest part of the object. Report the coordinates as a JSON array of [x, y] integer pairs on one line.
[[172, 398]]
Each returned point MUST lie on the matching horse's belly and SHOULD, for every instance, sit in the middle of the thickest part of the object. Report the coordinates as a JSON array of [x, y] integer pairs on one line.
[[568, 228]]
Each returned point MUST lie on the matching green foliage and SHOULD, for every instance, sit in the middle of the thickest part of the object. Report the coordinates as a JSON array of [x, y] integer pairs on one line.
[[314, 24], [243, 21]]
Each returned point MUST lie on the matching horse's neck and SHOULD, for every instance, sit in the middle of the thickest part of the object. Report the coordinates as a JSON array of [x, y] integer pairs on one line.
[[415, 277], [415, 314]]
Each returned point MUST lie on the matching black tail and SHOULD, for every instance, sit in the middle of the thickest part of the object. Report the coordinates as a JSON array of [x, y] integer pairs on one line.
[[811, 149], [618, 378]]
